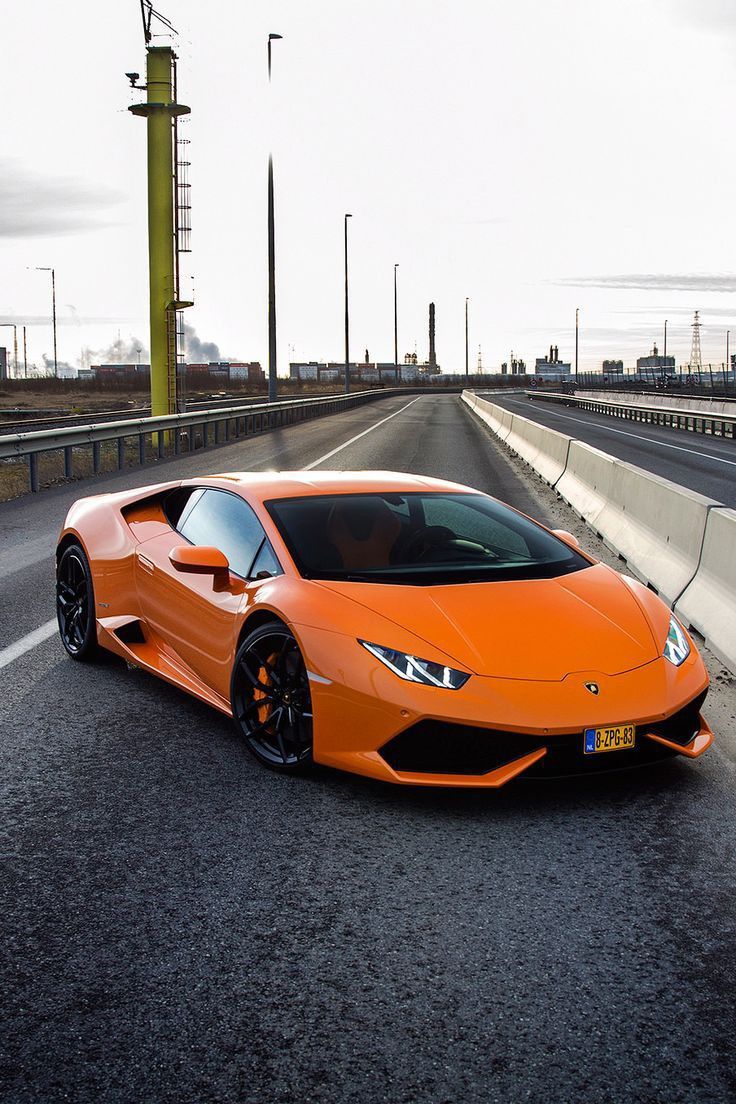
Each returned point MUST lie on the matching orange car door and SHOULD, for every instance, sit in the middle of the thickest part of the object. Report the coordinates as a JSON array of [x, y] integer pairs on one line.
[[196, 615]]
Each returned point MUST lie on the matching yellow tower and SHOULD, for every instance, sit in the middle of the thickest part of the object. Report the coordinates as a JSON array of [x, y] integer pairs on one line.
[[161, 111]]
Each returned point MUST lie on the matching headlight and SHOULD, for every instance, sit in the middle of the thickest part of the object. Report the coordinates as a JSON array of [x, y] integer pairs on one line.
[[676, 647], [413, 669]]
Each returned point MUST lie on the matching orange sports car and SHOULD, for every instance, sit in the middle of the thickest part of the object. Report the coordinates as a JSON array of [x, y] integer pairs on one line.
[[401, 627]]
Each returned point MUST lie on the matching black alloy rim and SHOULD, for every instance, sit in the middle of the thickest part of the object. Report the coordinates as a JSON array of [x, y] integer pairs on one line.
[[72, 602], [272, 700]]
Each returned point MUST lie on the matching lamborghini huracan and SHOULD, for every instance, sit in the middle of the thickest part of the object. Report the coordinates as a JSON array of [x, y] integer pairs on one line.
[[401, 627]]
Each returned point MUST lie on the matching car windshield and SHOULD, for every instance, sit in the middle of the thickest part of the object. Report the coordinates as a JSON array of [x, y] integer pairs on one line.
[[417, 538]]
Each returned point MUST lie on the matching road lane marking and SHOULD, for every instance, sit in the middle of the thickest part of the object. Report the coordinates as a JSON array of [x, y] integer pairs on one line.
[[357, 437], [625, 433], [31, 640]]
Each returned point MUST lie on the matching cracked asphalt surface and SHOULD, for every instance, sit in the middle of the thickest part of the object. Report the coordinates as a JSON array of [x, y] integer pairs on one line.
[[182, 925]]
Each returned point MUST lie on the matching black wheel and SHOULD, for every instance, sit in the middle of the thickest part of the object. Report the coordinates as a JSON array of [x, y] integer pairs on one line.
[[75, 604], [272, 706]]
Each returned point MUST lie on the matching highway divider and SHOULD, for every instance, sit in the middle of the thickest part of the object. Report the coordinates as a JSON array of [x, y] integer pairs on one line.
[[711, 419], [679, 542], [709, 601]]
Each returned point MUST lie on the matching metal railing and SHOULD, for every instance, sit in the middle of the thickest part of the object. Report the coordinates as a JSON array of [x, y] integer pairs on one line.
[[174, 434], [676, 417]]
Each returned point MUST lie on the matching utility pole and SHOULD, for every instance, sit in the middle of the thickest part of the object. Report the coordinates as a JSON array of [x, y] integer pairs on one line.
[[347, 313], [664, 357], [466, 336], [577, 334], [272, 364], [728, 360], [53, 310], [396, 326]]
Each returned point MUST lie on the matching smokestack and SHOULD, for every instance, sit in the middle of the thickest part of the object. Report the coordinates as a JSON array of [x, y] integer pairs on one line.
[[432, 353]]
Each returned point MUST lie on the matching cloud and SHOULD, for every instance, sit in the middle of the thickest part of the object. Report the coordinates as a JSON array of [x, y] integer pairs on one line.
[[716, 13], [718, 282], [34, 206], [63, 320]]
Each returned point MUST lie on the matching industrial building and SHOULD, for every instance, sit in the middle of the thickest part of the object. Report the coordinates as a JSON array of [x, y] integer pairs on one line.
[[360, 372], [206, 375], [372, 371], [663, 365], [518, 366], [551, 367]]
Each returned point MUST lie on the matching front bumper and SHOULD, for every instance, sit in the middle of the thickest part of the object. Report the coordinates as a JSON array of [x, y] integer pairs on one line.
[[363, 713]]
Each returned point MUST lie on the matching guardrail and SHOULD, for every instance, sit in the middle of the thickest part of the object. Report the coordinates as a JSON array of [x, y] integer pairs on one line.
[[679, 542], [696, 421], [173, 433]]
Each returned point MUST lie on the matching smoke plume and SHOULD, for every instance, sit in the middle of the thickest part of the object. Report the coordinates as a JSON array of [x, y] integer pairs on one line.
[[199, 352], [125, 350]]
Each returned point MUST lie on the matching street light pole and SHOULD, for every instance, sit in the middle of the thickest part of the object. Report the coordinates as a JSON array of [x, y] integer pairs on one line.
[[577, 335], [728, 361], [396, 326], [53, 310], [664, 357], [25, 356], [272, 364], [347, 313], [466, 336]]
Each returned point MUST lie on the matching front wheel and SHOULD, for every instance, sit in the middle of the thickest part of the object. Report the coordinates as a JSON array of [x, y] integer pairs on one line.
[[75, 604], [271, 702]]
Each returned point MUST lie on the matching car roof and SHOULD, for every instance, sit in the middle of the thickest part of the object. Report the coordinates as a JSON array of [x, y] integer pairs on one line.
[[301, 484]]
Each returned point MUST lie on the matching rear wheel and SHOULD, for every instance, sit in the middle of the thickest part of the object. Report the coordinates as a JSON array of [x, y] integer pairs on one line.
[[271, 702], [75, 604]]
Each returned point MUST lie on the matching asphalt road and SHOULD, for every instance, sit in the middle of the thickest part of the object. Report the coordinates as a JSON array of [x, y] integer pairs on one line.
[[182, 925], [704, 464]]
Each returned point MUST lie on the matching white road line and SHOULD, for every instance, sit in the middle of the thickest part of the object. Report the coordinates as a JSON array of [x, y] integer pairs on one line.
[[625, 433], [357, 437], [15, 651]]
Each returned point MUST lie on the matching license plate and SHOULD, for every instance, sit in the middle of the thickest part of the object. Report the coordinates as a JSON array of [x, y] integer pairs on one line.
[[615, 738]]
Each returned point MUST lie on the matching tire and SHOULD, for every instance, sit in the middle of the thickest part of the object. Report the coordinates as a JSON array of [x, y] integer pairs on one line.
[[271, 702], [75, 605]]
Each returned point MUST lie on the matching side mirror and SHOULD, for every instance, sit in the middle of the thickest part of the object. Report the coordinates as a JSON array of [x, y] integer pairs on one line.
[[568, 538], [199, 559]]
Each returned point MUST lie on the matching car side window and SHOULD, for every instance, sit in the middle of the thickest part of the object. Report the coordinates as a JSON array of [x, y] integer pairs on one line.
[[223, 520], [265, 562]]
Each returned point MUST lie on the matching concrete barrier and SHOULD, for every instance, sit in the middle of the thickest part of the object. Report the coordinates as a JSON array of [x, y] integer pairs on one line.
[[544, 449], [709, 602], [680, 542], [648, 398], [656, 525], [487, 412]]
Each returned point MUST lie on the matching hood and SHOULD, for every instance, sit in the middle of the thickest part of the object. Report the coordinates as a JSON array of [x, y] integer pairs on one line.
[[537, 629]]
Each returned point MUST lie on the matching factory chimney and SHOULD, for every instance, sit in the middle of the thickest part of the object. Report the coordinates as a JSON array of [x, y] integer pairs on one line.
[[432, 353]]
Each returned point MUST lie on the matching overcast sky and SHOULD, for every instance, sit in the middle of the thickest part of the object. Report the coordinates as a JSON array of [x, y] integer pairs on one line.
[[533, 156]]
